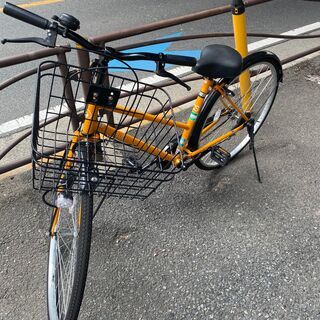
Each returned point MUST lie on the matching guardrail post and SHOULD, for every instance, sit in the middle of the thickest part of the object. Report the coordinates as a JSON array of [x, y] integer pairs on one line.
[[241, 43], [84, 62], [69, 97]]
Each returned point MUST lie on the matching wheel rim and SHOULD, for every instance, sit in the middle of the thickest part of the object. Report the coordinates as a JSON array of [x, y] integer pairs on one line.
[[62, 259], [264, 83]]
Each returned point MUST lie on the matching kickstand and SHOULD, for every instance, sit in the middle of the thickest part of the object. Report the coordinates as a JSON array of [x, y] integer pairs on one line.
[[250, 128]]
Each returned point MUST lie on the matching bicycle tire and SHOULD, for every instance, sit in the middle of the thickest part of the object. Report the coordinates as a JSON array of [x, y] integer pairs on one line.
[[212, 106], [81, 242]]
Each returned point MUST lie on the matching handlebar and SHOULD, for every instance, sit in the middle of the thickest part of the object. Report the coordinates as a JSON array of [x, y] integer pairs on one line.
[[43, 23], [181, 60], [161, 57], [26, 16]]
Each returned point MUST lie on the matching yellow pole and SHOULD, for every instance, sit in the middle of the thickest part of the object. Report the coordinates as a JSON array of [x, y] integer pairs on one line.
[[241, 44]]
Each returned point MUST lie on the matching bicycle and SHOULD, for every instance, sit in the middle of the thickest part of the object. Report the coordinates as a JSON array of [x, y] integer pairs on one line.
[[121, 145]]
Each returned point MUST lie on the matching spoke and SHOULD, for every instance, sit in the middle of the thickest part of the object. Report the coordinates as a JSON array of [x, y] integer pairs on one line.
[[261, 93], [254, 80], [67, 236], [255, 86], [258, 97], [215, 129], [60, 281], [260, 82], [71, 271], [63, 285], [64, 243]]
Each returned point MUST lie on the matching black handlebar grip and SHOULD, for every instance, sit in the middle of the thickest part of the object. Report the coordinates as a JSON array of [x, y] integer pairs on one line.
[[180, 60], [25, 16]]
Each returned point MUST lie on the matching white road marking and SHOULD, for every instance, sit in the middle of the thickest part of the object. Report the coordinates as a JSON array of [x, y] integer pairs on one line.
[[24, 122], [265, 43]]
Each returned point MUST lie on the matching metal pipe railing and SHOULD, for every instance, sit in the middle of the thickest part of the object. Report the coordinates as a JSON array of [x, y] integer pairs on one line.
[[13, 144], [84, 60], [126, 33], [31, 56], [67, 90], [214, 35], [27, 160], [23, 75]]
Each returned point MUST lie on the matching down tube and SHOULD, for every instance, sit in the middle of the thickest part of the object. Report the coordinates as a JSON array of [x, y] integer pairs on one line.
[[120, 136]]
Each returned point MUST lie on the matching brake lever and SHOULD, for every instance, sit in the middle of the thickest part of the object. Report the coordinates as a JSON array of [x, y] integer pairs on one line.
[[25, 40], [160, 71], [49, 41]]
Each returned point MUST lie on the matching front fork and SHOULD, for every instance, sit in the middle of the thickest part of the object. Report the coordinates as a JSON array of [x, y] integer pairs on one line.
[[79, 174]]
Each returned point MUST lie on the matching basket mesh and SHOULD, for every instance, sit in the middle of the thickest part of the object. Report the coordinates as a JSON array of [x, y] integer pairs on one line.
[[113, 167]]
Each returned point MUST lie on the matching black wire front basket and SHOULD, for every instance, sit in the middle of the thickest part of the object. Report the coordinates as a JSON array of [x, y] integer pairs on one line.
[[126, 162]]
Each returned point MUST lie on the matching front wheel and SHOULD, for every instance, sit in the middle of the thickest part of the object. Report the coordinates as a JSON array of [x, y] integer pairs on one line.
[[69, 252], [263, 70]]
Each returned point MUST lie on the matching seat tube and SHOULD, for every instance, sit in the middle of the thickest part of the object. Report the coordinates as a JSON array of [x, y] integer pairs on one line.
[[197, 107]]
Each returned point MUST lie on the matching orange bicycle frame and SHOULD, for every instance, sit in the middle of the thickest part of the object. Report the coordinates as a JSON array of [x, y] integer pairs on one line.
[[91, 125]]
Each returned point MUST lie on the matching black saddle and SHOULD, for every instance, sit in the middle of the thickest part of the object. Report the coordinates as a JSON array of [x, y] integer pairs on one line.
[[219, 61]]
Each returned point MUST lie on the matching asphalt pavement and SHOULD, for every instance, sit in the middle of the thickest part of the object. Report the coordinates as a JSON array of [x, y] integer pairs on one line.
[[209, 245]]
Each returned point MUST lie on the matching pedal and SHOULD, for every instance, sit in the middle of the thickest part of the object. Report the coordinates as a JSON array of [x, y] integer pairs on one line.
[[220, 155]]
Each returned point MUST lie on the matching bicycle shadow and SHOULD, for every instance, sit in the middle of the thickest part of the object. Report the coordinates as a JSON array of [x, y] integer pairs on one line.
[[143, 251]]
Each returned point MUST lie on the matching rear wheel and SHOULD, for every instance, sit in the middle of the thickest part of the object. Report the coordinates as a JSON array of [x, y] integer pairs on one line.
[[219, 117], [69, 256]]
